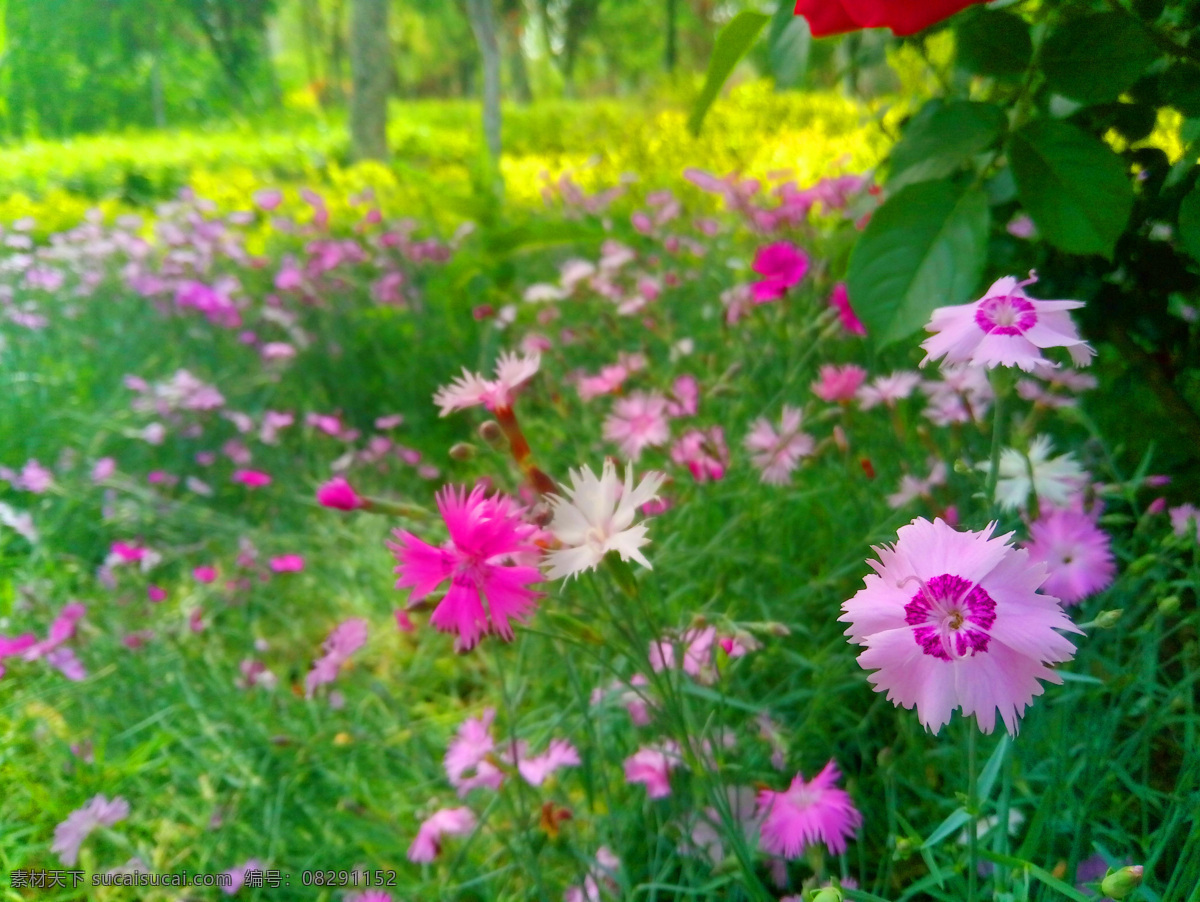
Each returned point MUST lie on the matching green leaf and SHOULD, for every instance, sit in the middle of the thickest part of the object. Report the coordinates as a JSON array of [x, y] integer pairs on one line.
[[732, 43], [987, 779], [1189, 223], [1095, 58], [1073, 185], [924, 248], [942, 138], [1040, 873], [789, 41], [993, 43], [955, 822]]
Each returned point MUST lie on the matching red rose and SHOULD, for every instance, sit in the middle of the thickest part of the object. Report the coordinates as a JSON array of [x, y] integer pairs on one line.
[[827, 17]]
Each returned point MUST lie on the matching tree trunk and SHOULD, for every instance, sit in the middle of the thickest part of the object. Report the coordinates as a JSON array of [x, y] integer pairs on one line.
[[483, 23], [517, 69], [370, 67]]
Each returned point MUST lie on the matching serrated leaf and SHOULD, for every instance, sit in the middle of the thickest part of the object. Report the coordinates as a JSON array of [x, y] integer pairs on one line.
[[1073, 185], [732, 43], [1189, 224], [924, 248], [941, 138], [1094, 58], [993, 43]]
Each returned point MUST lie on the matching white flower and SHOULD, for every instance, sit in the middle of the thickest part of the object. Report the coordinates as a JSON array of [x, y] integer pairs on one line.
[[598, 518], [471, 389], [1053, 479]]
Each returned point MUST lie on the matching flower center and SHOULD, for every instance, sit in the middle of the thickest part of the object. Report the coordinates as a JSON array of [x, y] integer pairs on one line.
[[950, 617], [596, 538], [1006, 315]]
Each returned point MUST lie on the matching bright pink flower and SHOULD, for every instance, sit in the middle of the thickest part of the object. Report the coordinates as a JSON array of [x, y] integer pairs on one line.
[[703, 452], [471, 389], [953, 620], [807, 813], [156, 594], [1077, 552], [126, 553], [637, 422], [205, 574], [839, 383], [1005, 327], [652, 765], [484, 591], [287, 563], [404, 622], [251, 478], [346, 638], [782, 265], [340, 495], [443, 822], [776, 454], [840, 301]]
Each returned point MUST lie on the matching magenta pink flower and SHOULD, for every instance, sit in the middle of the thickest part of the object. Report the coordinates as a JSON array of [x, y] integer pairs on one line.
[[776, 454], [443, 822], [652, 765], [288, 563], [703, 452], [125, 553], [205, 574], [340, 495], [484, 591], [346, 638], [807, 813], [953, 620], [1005, 327], [637, 422], [156, 594], [252, 478], [1076, 551], [840, 301], [839, 383], [782, 265]]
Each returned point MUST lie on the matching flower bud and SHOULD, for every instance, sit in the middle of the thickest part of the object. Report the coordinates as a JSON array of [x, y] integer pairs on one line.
[[462, 451], [825, 894], [1169, 605], [1106, 620], [490, 432], [1142, 564], [1119, 884]]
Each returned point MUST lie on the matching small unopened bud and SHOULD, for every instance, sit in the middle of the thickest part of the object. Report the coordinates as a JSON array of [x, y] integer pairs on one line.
[[1119, 884], [490, 432], [885, 757], [1169, 605], [962, 468], [839, 439], [462, 451], [825, 894], [1142, 564], [1106, 620]]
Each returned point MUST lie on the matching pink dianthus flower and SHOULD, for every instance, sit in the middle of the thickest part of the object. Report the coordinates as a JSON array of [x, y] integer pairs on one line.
[[252, 479], [637, 422], [703, 452], [1005, 327], [340, 495], [953, 620], [443, 822], [807, 813], [471, 389], [346, 638], [652, 765], [484, 590], [782, 265], [776, 454], [839, 383], [840, 301], [1076, 551]]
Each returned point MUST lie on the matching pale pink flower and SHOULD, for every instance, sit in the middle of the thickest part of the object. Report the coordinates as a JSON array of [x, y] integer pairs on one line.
[[652, 765], [703, 452], [953, 620], [70, 834], [484, 591], [782, 265], [838, 383], [776, 454], [888, 389], [1076, 551], [34, 478], [597, 517], [560, 753], [443, 822], [609, 380], [807, 813], [252, 478], [840, 301], [637, 422], [913, 487], [103, 469], [685, 396], [963, 394], [1005, 327], [698, 646], [346, 638], [737, 301], [471, 389], [599, 881], [389, 422], [239, 873], [61, 629], [287, 563], [1185, 520], [467, 757]]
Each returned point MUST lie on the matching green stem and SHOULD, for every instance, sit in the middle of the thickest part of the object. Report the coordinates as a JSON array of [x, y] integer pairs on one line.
[[973, 811], [1001, 386]]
